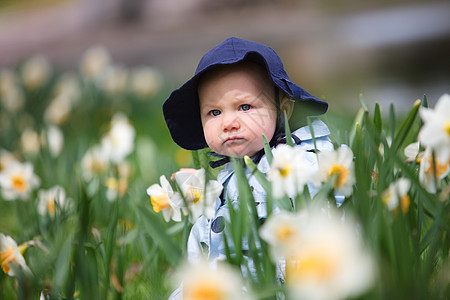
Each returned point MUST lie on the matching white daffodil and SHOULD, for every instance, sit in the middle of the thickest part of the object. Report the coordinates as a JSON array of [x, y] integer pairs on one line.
[[412, 151], [115, 81], [164, 199], [397, 195], [332, 262], [145, 81], [119, 141], [95, 62], [11, 96], [69, 86], [18, 180], [282, 232], [117, 187], [6, 158], [435, 132], [339, 163], [289, 171], [200, 196], [10, 253], [29, 141], [53, 138], [202, 280], [36, 72], [430, 176], [58, 111], [94, 163], [50, 200]]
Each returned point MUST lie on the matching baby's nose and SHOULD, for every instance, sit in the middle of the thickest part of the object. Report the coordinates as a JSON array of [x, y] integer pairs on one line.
[[230, 122]]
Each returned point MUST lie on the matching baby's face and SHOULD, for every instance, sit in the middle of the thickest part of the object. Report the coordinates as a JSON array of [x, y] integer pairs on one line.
[[237, 107]]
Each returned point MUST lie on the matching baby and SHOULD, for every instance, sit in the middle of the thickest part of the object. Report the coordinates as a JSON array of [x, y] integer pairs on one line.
[[240, 91]]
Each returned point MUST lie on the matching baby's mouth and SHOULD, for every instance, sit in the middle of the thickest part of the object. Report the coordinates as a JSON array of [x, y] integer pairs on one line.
[[233, 139]]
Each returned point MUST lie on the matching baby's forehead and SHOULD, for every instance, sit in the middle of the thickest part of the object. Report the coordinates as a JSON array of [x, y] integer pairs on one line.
[[245, 73]]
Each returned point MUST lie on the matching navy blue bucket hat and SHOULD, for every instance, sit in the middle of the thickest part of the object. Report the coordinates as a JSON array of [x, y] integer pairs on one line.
[[182, 111]]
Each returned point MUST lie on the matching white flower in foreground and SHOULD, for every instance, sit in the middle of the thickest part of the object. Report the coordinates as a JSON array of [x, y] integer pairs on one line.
[[50, 200], [435, 132], [95, 62], [289, 171], [200, 196], [282, 232], [338, 162], [164, 199], [119, 141], [10, 253], [36, 71], [397, 195], [203, 281], [332, 262], [430, 176], [18, 180]]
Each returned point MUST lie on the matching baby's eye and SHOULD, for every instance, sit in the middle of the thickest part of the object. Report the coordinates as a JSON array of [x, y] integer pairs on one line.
[[214, 112], [245, 107]]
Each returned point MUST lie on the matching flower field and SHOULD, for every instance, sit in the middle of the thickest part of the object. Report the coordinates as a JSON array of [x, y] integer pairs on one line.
[[88, 209]]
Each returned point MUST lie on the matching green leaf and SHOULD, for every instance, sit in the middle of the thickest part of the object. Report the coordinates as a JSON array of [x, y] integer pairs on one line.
[[363, 102], [405, 127], [196, 159], [288, 131], [311, 130], [377, 118], [155, 228], [356, 124], [392, 119], [267, 150], [262, 179], [425, 101]]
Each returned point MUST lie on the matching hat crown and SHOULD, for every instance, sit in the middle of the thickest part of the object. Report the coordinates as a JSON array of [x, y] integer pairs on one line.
[[235, 49]]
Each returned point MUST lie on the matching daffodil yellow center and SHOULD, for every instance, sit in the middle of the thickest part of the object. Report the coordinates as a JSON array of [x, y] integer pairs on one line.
[[285, 170], [342, 175], [111, 183], [284, 232], [440, 168], [19, 183], [159, 202], [6, 257], [51, 206], [404, 202], [386, 197], [447, 127], [97, 166], [123, 186], [194, 194], [315, 266], [206, 291]]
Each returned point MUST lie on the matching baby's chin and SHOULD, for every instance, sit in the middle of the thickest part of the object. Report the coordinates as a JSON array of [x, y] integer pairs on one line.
[[236, 154]]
